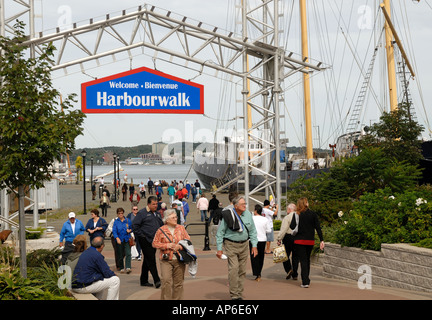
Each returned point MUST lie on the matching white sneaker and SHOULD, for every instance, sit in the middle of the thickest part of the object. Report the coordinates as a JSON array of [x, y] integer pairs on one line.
[[304, 286]]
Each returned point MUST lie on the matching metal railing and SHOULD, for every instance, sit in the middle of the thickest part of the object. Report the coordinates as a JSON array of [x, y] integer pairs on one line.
[[205, 234]]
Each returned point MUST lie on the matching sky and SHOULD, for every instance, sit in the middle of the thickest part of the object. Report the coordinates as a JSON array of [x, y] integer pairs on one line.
[[340, 35]]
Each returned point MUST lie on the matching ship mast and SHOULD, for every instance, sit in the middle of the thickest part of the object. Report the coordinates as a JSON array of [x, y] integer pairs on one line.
[[249, 109], [391, 69], [390, 33], [306, 81]]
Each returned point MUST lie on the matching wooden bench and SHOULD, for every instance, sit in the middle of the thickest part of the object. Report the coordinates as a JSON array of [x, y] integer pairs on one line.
[[83, 296]]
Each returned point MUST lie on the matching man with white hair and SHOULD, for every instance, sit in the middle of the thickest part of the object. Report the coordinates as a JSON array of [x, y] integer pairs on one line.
[[235, 231], [285, 236]]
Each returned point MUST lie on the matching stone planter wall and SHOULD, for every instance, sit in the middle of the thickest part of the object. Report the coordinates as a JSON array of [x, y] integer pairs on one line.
[[49, 241], [396, 265]]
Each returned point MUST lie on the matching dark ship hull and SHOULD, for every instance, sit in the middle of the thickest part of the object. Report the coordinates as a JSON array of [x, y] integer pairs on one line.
[[217, 172], [426, 163]]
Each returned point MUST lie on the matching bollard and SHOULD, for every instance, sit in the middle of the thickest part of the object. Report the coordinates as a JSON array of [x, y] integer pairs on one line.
[[206, 236]]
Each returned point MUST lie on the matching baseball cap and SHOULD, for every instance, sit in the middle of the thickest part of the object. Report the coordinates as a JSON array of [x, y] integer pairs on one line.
[[71, 215]]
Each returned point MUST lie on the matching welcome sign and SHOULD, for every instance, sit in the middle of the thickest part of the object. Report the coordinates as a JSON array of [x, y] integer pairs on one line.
[[142, 90]]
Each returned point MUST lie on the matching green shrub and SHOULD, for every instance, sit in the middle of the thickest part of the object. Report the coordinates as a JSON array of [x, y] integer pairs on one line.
[[47, 276], [328, 211], [7, 255], [383, 217], [425, 243], [41, 281], [34, 235], [43, 256], [14, 287], [277, 225]]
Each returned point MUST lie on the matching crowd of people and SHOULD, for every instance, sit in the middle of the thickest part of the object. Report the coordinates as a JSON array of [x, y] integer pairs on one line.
[[236, 232], [135, 231]]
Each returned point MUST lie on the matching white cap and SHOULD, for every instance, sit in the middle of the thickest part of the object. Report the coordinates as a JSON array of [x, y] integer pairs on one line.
[[71, 215]]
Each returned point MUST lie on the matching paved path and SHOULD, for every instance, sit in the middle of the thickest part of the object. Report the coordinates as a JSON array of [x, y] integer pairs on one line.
[[211, 281]]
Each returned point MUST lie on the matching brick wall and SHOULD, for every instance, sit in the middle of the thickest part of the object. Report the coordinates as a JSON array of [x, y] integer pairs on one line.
[[396, 265]]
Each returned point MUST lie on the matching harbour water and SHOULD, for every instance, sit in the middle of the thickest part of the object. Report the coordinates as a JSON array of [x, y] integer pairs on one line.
[[178, 172]]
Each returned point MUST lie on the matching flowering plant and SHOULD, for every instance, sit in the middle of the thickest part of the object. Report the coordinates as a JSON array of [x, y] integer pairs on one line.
[[419, 201], [375, 220]]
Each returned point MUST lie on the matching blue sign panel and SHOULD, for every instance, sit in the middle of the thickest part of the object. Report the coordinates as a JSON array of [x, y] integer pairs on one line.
[[142, 90]]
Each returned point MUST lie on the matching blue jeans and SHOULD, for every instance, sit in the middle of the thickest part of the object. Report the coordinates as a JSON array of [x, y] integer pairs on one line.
[[203, 215]]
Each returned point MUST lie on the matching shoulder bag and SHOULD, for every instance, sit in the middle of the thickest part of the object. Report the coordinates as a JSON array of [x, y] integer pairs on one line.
[[279, 254], [181, 255]]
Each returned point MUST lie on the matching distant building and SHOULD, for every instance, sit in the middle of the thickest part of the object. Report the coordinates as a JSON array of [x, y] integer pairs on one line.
[[157, 148], [150, 157], [108, 157]]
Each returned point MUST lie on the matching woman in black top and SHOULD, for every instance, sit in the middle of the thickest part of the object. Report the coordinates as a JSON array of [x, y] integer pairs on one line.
[[304, 239]]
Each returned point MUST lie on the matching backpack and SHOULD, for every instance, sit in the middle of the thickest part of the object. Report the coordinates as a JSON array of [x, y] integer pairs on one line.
[[178, 216], [217, 216], [296, 223]]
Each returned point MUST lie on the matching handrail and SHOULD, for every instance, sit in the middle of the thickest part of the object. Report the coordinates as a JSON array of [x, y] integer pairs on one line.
[[205, 234], [16, 225]]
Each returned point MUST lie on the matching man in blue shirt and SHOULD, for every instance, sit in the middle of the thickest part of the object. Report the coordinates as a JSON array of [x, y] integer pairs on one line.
[[93, 275], [71, 228]]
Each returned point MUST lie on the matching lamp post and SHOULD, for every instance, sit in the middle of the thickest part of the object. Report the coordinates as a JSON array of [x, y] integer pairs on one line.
[[84, 153], [115, 177], [91, 170], [118, 172]]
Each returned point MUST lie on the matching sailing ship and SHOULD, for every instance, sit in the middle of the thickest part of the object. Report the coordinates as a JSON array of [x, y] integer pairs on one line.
[[223, 167]]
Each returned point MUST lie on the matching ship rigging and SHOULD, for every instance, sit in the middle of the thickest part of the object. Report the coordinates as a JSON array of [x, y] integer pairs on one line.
[[259, 60]]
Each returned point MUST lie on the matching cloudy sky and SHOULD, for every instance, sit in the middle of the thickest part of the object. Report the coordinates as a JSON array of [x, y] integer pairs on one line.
[[342, 34]]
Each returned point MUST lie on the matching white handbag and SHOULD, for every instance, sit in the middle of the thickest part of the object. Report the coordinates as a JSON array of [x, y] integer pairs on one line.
[[279, 254], [134, 252]]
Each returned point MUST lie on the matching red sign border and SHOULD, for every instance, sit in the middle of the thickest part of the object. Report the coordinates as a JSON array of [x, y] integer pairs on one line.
[[133, 71]]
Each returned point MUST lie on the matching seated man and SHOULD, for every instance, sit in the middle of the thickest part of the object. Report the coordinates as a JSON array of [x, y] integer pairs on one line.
[[93, 275]]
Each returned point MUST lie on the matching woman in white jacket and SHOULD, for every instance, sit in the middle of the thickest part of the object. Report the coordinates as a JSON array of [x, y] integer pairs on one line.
[[285, 236], [202, 206]]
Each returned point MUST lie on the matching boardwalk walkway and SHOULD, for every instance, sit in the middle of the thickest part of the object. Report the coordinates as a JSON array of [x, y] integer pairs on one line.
[[211, 281]]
